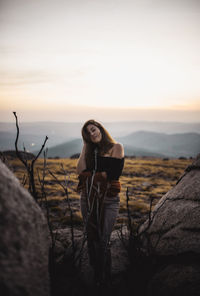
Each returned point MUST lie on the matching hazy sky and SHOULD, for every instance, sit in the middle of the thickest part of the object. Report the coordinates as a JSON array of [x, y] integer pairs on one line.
[[77, 59]]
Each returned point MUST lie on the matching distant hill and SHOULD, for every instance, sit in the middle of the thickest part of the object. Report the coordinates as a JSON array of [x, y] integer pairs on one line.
[[74, 147], [34, 133], [65, 150], [135, 151], [11, 154], [32, 142], [158, 139], [142, 144], [176, 145]]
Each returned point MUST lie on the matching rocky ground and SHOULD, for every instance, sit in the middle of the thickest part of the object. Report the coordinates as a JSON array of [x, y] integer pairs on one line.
[[134, 272]]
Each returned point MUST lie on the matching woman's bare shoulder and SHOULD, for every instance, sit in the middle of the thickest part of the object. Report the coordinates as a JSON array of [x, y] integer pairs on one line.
[[118, 150]]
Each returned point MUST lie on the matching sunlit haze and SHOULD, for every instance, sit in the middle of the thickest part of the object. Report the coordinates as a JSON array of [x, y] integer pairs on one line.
[[111, 60]]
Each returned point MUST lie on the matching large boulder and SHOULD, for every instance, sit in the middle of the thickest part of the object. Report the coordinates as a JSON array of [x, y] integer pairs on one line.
[[24, 243], [173, 236]]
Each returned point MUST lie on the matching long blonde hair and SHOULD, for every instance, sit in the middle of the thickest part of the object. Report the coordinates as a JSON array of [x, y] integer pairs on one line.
[[104, 146]]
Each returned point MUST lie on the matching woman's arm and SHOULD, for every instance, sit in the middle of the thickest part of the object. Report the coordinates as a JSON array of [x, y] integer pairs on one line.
[[81, 164]]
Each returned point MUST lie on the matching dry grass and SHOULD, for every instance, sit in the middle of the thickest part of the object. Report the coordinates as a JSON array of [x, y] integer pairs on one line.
[[144, 177]]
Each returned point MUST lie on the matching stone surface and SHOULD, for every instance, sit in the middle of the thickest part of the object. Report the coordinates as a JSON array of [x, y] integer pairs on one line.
[[175, 226], [24, 243], [174, 236]]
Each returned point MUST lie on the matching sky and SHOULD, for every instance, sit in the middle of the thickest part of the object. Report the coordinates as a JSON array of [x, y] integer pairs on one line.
[[71, 60]]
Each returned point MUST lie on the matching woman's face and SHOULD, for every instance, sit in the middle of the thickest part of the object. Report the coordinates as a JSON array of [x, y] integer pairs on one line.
[[94, 133]]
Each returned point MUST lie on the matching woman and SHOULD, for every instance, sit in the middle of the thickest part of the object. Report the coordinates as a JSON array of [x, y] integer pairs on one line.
[[99, 167]]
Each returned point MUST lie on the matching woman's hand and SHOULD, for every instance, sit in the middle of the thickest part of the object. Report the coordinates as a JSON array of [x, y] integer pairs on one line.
[[104, 174]]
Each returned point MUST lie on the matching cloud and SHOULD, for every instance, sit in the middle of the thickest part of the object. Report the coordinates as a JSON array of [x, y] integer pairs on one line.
[[22, 78], [82, 113]]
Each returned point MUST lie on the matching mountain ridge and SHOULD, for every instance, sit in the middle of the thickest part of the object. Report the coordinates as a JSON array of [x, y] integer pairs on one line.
[[137, 140], [142, 144]]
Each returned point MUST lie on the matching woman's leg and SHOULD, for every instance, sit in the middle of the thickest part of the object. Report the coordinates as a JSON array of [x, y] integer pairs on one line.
[[99, 246], [92, 242], [109, 214]]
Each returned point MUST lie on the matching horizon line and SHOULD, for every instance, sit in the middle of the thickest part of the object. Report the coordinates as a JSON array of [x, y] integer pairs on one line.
[[105, 121]]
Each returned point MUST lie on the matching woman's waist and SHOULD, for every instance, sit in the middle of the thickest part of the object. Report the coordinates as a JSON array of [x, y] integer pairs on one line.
[[99, 182], [107, 199], [102, 172], [97, 177]]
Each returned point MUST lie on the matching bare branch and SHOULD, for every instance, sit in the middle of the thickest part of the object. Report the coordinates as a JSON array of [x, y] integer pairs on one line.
[[29, 168], [16, 143], [39, 151]]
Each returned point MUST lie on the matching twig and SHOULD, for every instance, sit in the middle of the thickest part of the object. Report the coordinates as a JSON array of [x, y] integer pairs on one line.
[[70, 210], [128, 213], [42, 182]]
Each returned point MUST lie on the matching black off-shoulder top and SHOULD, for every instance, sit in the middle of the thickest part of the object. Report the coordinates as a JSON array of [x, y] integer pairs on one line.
[[111, 165]]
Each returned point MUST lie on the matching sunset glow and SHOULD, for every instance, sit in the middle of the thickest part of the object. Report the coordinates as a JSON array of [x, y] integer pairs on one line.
[[57, 55]]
